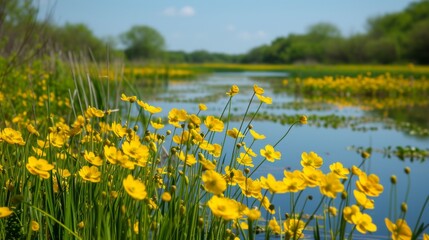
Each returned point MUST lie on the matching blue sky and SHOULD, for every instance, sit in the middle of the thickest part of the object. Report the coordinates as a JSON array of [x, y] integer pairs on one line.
[[230, 26]]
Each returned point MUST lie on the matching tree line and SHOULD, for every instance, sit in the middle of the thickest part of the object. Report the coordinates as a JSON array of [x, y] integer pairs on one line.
[[399, 37]]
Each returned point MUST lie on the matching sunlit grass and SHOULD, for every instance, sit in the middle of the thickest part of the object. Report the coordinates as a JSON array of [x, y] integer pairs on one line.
[[84, 168]]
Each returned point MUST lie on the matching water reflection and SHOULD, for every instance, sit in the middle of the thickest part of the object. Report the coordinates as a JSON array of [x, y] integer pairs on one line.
[[332, 129]]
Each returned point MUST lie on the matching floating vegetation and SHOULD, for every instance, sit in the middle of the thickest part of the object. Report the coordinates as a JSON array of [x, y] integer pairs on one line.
[[404, 153]]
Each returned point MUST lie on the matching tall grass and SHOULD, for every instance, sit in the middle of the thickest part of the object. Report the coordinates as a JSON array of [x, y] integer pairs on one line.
[[110, 168]]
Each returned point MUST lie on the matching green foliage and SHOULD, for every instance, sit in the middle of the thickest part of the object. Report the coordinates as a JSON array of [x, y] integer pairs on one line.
[[391, 38], [142, 43], [79, 39]]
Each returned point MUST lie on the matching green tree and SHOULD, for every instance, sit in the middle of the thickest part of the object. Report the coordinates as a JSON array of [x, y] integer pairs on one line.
[[143, 43], [22, 36], [79, 39], [418, 43]]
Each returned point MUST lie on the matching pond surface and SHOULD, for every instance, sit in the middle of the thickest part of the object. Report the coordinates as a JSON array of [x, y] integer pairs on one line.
[[332, 134]]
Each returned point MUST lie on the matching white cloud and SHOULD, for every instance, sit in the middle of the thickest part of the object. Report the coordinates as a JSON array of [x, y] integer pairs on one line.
[[186, 11]]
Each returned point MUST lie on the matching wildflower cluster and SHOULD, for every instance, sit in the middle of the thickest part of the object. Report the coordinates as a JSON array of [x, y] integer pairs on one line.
[[144, 177]]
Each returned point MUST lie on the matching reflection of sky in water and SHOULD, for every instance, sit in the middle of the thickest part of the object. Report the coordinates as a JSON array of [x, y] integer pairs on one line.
[[328, 143]]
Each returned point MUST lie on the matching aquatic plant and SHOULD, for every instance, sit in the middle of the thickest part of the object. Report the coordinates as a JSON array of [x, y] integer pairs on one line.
[[105, 174]]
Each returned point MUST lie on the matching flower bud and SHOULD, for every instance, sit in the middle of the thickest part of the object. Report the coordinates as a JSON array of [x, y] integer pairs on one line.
[[303, 119], [407, 170], [404, 207], [344, 195], [81, 225], [393, 179], [200, 222], [365, 154]]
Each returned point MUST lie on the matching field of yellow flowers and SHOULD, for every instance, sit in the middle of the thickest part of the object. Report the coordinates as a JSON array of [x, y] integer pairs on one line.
[[74, 165]]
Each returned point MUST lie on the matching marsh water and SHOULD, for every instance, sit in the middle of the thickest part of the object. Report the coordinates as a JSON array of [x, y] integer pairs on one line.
[[336, 131]]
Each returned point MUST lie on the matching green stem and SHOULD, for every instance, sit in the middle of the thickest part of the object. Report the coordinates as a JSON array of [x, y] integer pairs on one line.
[[51, 217]]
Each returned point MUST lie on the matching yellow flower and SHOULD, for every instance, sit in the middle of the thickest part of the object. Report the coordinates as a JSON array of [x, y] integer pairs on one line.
[[234, 133], [156, 125], [91, 158], [303, 119], [272, 184], [270, 154], [57, 140], [128, 99], [213, 182], [370, 185], [362, 221], [362, 200], [257, 89], [400, 230], [338, 169], [234, 90], [12, 136], [136, 150], [249, 151], [34, 226], [118, 130], [425, 236], [267, 204], [294, 181], [115, 156], [294, 228], [330, 185], [311, 159], [356, 171], [90, 174], [364, 224], [202, 107], [206, 164], [166, 196], [189, 159], [253, 214], [175, 116], [149, 108], [217, 150], [183, 138], [333, 211], [135, 188], [266, 100], [226, 208], [94, 112], [39, 167], [245, 160], [64, 173], [31, 129], [136, 227], [349, 212], [234, 176], [256, 135], [274, 226], [5, 212], [206, 145], [312, 176], [251, 188], [214, 124]]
